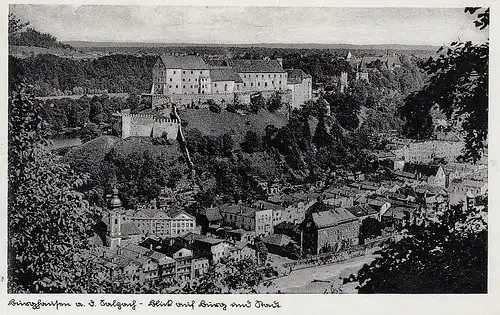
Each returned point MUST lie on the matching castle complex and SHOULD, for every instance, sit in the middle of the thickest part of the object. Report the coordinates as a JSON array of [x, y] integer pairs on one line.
[[189, 80]]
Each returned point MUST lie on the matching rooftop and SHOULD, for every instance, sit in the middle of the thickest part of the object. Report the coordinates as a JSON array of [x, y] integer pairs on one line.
[[224, 74], [184, 62], [295, 76], [332, 217], [255, 65], [362, 210]]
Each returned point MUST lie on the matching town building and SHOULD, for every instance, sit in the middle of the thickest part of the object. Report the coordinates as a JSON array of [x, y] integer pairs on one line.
[[249, 218], [131, 226], [326, 229]]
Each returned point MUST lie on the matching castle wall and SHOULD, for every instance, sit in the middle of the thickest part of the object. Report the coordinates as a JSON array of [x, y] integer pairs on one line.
[[147, 125], [171, 127]]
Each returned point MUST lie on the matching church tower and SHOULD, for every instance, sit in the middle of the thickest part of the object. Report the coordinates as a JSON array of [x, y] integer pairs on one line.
[[114, 234]]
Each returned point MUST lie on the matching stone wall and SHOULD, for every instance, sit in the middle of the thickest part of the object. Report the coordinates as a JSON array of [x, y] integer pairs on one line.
[[137, 125]]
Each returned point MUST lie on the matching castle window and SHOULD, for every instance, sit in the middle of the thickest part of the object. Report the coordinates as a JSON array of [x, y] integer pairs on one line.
[[265, 83], [191, 72], [116, 221], [251, 84], [183, 72], [176, 86]]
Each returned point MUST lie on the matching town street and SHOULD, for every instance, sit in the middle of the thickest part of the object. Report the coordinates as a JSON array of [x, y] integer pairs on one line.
[[316, 279]]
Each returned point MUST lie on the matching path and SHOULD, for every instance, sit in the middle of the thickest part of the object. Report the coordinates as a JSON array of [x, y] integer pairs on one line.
[[302, 280]]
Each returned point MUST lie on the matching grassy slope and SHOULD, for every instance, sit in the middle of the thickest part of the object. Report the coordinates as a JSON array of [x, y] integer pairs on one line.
[[91, 153], [210, 123]]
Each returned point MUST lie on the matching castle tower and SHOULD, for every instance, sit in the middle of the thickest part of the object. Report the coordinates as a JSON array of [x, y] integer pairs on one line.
[[114, 234]]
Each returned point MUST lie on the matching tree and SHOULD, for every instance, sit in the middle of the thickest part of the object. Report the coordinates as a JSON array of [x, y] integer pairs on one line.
[[459, 86], [15, 24], [48, 218], [321, 136], [89, 131], [252, 142], [448, 255], [261, 249], [274, 103], [369, 228], [242, 276]]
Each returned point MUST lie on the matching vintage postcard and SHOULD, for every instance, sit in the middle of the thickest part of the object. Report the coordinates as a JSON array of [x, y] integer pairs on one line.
[[210, 157]]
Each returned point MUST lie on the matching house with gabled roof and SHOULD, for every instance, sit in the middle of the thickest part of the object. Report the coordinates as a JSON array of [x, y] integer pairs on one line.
[[327, 228]]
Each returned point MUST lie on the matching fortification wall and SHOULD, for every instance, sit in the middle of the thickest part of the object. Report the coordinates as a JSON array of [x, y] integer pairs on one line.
[[192, 100], [169, 126], [138, 125]]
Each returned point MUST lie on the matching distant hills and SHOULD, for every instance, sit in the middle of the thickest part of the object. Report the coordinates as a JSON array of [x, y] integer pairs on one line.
[[87, 44]]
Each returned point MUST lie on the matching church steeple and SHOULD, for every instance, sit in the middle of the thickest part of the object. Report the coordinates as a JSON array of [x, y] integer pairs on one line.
[[115, 219]]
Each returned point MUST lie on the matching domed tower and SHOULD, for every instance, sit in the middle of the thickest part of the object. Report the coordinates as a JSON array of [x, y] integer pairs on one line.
[[114, 234]]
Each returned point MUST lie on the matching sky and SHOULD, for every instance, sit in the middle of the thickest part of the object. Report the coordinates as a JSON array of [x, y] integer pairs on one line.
[[249, 25]]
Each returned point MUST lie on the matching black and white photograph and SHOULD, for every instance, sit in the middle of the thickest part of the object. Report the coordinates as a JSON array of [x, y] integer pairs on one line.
[[162, 149]]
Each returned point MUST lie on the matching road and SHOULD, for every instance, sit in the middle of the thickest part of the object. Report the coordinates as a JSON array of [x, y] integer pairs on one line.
[[306, 280]]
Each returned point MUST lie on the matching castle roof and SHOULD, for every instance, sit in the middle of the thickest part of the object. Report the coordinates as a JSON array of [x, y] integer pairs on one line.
[[255, 65], [184, 62], [224, 74], [295, 76]]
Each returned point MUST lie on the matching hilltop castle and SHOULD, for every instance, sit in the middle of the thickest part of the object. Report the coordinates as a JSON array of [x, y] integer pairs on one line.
[[189, 80]]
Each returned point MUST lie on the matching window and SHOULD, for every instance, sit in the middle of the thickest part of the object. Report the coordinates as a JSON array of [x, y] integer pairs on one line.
[[201, 72], [116, 221], [244, 84], [183, 80], [183, 86], [174, 72], [176, 86], [191, 72], [183, 72], [265, 84], [268, 75], [280, 82], [196, 79], [189, 80], [275, 75], [258, 84], [169, 86], [251, 84], [191, 86], [170, 79], [262, 76], [215, 84]]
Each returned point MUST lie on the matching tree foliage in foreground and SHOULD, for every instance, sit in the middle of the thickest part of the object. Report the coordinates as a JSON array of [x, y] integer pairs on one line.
[[459, 86], [47, 217], [447, 256]]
